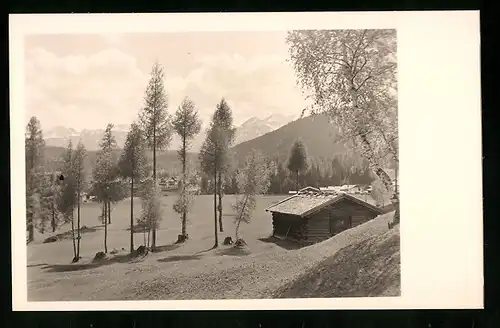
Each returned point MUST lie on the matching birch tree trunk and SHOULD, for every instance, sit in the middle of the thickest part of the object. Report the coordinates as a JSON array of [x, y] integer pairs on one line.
[[219, 207], [78, 224], [216, 244], [73, 234], [132, 215], [105, 213]]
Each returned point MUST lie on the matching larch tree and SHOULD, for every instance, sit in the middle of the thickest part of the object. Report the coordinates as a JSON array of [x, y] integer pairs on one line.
[[210, 162], [51, 194], [132, 166], [254, 179], [101, 184], [351, 76], [106, 184], [34, 156], [68, 196], [108, 145], [297, 160], [155, 121], [223, 120], [48, 214], [187, 125], [78, 164]]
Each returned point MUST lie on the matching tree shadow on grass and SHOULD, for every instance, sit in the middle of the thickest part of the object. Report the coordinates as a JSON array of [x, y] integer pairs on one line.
[[138, 228], [234, 251], [166, 248], [176, 258], [206, 250], [36, 265], [283, 243], [69, 234], [120, 258]]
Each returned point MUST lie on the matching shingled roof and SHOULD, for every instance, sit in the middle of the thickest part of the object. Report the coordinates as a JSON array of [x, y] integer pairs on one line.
[[303, 204]]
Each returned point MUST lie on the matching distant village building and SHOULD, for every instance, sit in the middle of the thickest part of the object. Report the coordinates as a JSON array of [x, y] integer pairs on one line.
[[313, 216], [170, 184], [306, 189], [350, 189]]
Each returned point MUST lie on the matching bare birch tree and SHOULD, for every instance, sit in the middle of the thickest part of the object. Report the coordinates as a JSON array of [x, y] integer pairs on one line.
[[351, 75], [254, 179]]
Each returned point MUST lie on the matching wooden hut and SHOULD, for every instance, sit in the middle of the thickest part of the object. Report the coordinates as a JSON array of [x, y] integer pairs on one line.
[[311, 217]]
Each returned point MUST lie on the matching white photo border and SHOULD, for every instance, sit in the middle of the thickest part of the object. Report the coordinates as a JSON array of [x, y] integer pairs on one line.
[[440, 150]]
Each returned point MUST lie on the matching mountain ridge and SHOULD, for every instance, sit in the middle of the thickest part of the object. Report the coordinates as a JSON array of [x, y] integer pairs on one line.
[[319, 136], [254, 127]]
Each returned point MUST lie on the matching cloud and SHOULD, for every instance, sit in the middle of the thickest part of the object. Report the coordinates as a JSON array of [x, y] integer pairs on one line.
[[81, 91], [108, 86], [255, 86]]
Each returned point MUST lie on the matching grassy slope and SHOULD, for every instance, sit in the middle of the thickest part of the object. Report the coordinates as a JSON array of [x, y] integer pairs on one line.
[[369, 268], [190, 271]]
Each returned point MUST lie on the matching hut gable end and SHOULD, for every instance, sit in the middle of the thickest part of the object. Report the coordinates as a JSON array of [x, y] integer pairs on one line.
[[315, 216]]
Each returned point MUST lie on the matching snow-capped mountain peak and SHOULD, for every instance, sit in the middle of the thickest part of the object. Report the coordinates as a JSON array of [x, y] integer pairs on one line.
[[252, 128]]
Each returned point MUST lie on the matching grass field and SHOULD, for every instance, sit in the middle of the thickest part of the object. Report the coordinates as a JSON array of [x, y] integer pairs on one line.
[[187, 271]]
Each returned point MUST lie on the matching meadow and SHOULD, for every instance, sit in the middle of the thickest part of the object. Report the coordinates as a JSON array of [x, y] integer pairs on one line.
[[191, 270]]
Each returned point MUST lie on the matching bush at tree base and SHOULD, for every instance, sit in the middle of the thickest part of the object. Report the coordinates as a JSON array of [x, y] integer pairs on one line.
[[99, 256], [182, 238], [240, 243], [141, 251]]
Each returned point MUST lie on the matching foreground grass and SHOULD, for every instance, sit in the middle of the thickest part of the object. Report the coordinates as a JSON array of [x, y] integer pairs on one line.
[[367, 268], [188, 271]]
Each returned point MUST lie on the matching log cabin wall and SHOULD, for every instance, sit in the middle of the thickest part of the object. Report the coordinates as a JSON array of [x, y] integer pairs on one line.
[[359, 213], [319, 223], [291, 226], [318, 227]]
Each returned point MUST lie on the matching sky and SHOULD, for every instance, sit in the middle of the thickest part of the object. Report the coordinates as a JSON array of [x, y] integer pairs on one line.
[[87, 81]]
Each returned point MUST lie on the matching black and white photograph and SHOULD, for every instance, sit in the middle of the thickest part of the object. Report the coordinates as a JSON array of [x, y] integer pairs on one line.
[[212, 165]]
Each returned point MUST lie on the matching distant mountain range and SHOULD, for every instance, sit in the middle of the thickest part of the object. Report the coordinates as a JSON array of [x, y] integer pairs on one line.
[[319, 136], [250, 129]]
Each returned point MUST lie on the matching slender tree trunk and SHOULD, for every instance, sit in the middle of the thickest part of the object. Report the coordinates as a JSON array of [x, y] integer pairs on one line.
[[149, 237], [184, 212], [297, 184], [105, 227], [216, 244], [219, 207], [53, 217], [153, 242], [78, 224], [73, 233], [31, 230], [132, 215], [30, 187], [109, 213], [238, 230], [237, 234]]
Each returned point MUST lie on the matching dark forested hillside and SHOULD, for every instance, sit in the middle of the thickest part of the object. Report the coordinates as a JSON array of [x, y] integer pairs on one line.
[[328, 155], [319, 136]]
